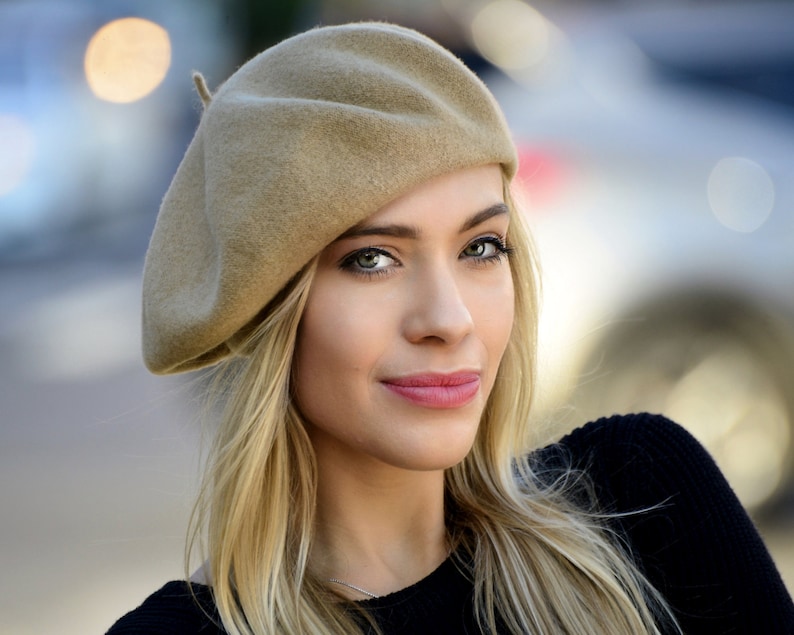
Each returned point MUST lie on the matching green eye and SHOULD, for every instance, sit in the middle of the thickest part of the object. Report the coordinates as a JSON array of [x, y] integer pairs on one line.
[[485, 249], [481, 249], [476, 249], [368, 259]]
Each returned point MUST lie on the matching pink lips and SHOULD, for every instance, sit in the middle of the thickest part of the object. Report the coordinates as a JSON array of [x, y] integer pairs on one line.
[[436, 391]]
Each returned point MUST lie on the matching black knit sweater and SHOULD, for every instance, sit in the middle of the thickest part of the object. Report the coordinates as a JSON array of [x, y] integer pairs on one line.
[[697, 545]]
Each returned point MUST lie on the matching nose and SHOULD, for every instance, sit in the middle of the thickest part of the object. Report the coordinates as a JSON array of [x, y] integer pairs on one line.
[[437, 309]]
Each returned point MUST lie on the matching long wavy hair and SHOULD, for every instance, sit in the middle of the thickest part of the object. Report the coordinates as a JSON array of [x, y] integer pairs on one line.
[[539, 562]]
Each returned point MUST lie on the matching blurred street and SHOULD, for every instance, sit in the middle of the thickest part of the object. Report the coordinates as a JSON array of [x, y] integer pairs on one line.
[[97, 457], [656, 146]]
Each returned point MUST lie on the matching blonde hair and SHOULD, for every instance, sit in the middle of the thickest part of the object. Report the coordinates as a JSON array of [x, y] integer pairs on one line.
[[539, 563]]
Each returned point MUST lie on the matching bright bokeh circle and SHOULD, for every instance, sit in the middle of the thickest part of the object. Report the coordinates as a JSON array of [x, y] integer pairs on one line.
[[511, 34], [741, 194], [127, 59]]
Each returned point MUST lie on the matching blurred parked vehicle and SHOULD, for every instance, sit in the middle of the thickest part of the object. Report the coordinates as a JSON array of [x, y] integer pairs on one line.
[[658, 164]]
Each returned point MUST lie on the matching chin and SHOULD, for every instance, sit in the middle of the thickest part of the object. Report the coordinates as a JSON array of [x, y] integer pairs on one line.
[[427, 460]]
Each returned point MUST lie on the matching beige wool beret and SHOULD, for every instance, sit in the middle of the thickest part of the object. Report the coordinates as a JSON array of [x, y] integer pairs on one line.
[[301, 143]]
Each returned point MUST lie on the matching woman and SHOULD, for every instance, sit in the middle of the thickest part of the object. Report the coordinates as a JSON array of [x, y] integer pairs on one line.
[[340, 235]]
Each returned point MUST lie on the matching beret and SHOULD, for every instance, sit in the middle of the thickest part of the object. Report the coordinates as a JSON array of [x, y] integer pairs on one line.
[[302, 142]]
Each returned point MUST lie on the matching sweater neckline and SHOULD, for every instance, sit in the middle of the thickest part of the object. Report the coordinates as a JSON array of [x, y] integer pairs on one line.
[[431, 581], [443, 571]]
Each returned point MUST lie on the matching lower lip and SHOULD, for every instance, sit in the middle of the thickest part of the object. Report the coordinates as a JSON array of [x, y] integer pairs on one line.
[[435, 396]]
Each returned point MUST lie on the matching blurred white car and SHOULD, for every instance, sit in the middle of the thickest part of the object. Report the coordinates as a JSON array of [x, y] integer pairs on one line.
[[658, 164]]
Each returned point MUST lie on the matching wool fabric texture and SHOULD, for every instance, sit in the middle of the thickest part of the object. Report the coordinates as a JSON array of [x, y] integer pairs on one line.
[[304, 141]]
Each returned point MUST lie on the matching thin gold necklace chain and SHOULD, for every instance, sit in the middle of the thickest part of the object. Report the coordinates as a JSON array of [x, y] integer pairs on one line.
[[352, 586]]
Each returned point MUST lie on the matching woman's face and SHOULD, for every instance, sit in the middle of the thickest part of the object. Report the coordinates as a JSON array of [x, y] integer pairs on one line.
[[406, 323]]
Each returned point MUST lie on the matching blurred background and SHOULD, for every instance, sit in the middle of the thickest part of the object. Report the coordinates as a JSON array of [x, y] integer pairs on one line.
[[657, 156]]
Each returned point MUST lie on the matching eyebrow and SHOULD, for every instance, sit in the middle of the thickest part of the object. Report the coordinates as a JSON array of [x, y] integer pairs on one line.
[[408, 231], [480, 217]]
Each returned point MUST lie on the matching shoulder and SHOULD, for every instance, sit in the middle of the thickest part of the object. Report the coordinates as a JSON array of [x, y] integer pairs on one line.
[[174, 609], [641, 436], [637, 461], [679, 519]]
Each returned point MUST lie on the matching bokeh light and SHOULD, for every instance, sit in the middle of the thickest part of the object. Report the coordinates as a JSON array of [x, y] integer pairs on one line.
[[17, 148], [511, 34], [741, 194], [127, 59]]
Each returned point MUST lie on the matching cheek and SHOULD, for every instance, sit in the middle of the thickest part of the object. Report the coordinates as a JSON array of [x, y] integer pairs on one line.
[[510, 313], [335, 348], [317, 353], [496, 312]]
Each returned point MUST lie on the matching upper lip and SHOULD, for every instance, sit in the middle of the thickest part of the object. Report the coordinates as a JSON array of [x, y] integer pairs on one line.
[[434, 379]]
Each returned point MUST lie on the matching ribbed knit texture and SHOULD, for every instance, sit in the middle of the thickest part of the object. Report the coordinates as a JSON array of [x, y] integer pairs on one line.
[[697, 545]]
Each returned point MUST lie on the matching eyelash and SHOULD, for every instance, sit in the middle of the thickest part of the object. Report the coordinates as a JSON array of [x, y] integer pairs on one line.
[[348, 263], [502, 250]]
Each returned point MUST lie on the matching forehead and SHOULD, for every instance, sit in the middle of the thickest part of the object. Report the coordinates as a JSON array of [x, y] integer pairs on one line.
[[452, 197]]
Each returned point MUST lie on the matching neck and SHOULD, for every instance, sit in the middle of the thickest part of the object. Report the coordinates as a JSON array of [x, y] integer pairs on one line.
[[378, 527]]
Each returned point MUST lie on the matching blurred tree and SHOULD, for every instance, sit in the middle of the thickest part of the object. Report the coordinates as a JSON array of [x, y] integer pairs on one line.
[[259, 24], [262, 23]]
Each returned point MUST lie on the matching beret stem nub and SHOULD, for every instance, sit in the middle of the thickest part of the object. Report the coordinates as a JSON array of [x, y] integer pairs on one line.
[[202, 89]]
